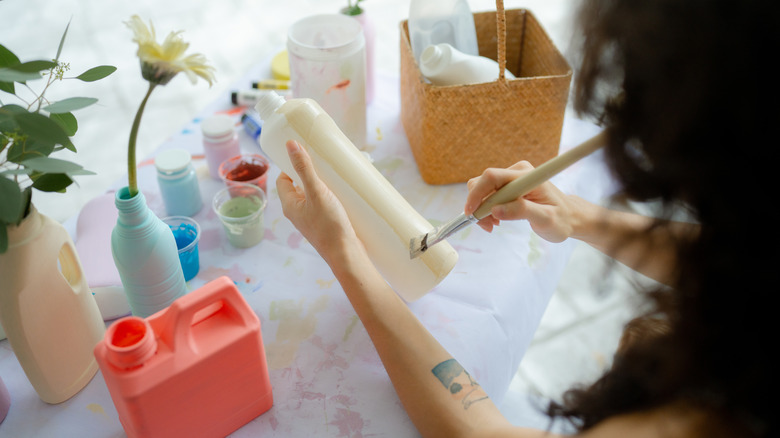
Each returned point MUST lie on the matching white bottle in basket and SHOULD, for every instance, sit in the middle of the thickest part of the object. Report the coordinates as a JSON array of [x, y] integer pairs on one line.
[[382, 218], [442, 21], [443, 64]]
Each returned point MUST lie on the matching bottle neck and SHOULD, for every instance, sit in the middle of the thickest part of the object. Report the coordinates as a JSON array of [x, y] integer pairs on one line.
[[27, 230], [132, 211], [130, 342]]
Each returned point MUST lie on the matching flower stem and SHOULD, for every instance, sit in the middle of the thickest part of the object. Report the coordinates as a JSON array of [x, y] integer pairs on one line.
[[132, 183]]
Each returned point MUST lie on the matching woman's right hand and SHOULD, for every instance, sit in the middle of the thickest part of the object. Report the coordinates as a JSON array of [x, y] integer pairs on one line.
[[551, 213]]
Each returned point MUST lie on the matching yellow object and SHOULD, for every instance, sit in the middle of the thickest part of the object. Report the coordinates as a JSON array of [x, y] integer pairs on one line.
[[280, 66]]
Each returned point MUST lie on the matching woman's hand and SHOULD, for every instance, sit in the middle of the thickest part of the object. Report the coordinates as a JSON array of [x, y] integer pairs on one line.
[[551, 213], [314, 209]]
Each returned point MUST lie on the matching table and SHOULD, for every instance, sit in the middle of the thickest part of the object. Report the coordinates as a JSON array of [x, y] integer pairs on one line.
[[327, 378]]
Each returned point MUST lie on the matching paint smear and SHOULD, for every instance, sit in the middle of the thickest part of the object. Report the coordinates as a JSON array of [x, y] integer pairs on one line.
[[97, 409], [350, 327], [325, 284], [340, 86], [295, 326], [379, 136], [350, 423]]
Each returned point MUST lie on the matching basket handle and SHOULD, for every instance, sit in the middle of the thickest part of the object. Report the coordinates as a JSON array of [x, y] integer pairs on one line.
[[501, 29]]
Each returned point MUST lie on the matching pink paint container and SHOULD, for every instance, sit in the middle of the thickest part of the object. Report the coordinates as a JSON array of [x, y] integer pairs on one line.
[[220, 141], [196, 368]]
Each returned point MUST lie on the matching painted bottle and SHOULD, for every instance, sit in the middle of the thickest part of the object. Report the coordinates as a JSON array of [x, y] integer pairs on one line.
[[220, 141], [178, 182], [197, 368], [443, 64], [382, 218], [47, 311], [145, 255]]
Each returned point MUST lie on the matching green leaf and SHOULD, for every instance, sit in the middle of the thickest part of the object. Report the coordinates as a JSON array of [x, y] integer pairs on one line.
[[96, 73], [43, 129], [55, 165], [3, 238], [8, 117], [28, 148], [62, 41], [67, 121], [52, 182], [12, 205], [7, 59], [69, 104], [33, 66], [18, 171], [11, 75]]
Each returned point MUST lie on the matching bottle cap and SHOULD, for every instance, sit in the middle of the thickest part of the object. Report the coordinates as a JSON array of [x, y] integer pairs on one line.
[[217, 127], [172, 160], [130, 342]]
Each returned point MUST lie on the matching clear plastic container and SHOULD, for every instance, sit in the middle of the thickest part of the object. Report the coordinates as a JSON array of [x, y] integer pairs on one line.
[[442, 21], [382, 218]]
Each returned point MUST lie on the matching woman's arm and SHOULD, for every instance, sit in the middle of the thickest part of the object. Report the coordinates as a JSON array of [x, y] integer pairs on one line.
[[437, 393], [630, 238]]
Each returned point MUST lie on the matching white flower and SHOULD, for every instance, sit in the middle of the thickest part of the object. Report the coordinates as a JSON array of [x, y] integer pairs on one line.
[[160, 63]]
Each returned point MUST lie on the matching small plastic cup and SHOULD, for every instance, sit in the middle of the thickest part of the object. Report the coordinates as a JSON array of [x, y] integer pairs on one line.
[[245, 168], [187, 234], [239, 207]]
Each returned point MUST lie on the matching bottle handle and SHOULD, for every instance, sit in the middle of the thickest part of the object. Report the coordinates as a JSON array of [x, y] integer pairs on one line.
[[220, 295]]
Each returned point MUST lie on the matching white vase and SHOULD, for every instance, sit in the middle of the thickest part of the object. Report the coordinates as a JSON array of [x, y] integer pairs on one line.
[[46, 309]]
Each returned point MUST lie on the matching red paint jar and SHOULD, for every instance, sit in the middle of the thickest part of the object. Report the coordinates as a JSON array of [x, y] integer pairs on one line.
[[247, 168]]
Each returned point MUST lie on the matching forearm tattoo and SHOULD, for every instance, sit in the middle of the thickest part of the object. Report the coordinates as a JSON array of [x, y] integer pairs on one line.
[[459, 383]]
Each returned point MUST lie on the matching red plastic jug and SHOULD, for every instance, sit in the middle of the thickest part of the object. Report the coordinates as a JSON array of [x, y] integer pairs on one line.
[[196, 368]]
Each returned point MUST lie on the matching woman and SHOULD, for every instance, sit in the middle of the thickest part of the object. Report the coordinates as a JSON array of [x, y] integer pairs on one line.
[[675, 83]]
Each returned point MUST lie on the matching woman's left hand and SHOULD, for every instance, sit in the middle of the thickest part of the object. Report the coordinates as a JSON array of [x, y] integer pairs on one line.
[[314, 209]]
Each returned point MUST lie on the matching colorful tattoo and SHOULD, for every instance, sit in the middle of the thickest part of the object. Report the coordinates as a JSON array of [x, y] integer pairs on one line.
[[458, 381]]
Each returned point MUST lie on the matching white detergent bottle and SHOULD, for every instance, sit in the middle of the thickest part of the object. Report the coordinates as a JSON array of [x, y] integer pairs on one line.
[[48, 313], [382, 218], [443, 64], [442, 21]]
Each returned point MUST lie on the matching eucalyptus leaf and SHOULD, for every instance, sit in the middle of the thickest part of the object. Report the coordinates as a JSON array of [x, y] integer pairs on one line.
[[43, 129], [17, 171], [3, 238], [67, 121], [11, 75], [27, 148], [70, 104], [96, 73], [8, 117], [13, 202], [62, 41], [7, 59], [33, 66], [52, 182], [53, 165]]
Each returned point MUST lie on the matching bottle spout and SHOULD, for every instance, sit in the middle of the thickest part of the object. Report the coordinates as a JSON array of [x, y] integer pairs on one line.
[[130, 342], [268, 104]]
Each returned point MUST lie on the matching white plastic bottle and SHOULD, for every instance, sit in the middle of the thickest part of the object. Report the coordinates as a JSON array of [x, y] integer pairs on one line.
[[443, 64], [382, 218], [442, 21]]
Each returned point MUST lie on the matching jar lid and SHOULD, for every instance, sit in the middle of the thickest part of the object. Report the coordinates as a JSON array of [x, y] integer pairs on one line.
[[172, 160], [217, 126]]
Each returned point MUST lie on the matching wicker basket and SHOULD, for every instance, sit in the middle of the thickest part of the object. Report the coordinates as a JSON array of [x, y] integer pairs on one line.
[[456, 132]]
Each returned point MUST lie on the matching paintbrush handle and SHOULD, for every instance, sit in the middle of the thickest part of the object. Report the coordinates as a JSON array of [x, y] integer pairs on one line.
[[521, 186]]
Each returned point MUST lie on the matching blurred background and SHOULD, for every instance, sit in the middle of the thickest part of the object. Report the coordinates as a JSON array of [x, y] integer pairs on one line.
[[582, 325]]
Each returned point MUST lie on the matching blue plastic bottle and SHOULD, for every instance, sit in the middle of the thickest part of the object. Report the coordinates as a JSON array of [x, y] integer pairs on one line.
[[146, 256], [178, 182]]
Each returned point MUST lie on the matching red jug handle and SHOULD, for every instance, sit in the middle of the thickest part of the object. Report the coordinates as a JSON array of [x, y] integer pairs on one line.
[[181, 313]]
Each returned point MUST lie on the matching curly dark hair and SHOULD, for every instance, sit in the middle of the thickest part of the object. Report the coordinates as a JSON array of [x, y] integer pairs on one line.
[[684, 91]]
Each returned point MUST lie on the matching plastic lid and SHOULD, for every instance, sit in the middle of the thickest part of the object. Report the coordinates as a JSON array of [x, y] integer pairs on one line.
[[172, 160], [217, 126]]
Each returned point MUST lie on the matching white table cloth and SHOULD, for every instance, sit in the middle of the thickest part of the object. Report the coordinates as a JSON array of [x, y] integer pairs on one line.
[[327, 378]]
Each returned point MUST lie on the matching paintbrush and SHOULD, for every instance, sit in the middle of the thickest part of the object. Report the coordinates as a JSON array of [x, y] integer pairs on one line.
[[511, 191]]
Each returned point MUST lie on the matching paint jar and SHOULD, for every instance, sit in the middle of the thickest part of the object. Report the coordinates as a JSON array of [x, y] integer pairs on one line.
[[220, 141], [178, 182], [328, 64], [196, 368], [247, 168], [186, 232], [383, 220], [239, 207]]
